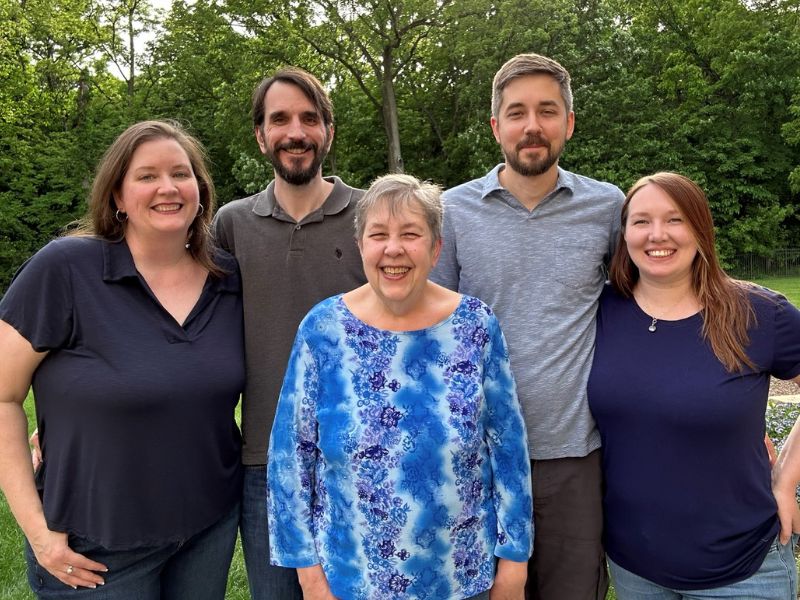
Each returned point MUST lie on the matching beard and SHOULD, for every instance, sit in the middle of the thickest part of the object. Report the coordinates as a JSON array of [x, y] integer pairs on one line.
[[533, 166], [293, 172]]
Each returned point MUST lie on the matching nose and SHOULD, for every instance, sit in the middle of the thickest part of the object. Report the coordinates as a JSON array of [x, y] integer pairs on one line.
[[657, 231], [394, 246], [166, 185], [296, 130], [532, 124]]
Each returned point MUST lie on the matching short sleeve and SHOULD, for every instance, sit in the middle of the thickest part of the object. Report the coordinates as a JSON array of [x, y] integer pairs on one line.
[[39, 302], [786, 357]]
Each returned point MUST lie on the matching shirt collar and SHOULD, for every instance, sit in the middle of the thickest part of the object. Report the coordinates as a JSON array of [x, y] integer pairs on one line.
[[118, 265], [491, 183], [117, 261], [266, 204]]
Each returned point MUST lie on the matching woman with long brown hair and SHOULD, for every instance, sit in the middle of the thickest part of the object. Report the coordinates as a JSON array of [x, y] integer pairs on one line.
[[679, 390], [130, 331]]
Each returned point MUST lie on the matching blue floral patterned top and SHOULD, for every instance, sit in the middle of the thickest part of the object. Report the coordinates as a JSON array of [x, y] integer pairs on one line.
[[398, 460]]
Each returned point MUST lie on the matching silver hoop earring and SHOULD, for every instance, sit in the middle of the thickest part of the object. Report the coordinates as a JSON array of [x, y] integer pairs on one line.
[[121, 216], [200, 211]]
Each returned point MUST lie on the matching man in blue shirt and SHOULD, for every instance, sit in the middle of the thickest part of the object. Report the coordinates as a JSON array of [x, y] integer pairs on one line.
[[532, 240]]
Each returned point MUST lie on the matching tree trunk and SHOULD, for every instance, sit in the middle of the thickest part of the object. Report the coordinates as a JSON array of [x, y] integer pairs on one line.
[[389, 114]]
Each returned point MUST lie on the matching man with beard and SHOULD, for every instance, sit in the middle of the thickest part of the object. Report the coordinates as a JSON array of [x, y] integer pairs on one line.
[[533, 241], [295, 245]]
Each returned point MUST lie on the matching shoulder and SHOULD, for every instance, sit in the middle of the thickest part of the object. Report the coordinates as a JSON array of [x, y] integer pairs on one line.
[[476, 306], [611, 299], [323, 313], [766, 302], [239, 207], [230, 268], [468, 192], [72, 249], [602, 191], [343, 198]]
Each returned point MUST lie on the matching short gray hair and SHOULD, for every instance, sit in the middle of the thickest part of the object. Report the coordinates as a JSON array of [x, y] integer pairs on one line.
[[530, 64], [399, 191]]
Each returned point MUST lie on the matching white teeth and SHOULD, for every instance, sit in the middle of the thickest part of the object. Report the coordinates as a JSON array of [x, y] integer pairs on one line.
[[295, 150], [167, 207], [395, 270], [660, 253]]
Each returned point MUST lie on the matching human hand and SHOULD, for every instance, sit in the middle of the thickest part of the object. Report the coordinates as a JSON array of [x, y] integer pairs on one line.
[[788, 513], [36, 449], [314, 583], [509, 581], [54, 554]]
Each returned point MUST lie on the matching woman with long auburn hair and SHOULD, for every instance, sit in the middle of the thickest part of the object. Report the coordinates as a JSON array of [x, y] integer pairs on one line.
[[693, 508]]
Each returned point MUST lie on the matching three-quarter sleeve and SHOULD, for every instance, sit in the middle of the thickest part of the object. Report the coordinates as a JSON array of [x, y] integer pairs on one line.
[[508, 444], [39, 302], [291, 463]]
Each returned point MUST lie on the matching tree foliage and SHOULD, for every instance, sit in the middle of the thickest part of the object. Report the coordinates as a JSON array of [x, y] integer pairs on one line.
[[710, 88]]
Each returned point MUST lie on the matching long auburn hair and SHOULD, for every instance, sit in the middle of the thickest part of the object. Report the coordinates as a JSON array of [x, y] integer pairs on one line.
[[100, 220], [726, 308]]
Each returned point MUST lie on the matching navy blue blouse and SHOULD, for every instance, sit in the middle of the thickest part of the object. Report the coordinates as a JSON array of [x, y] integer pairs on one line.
[[135, 412], [688, 501]]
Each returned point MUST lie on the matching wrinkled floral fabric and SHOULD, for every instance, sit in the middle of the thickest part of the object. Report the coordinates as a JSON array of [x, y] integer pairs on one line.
[[398, 460]]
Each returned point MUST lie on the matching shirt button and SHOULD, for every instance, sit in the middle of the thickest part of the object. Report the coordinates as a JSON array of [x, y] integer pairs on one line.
[[297, 227]]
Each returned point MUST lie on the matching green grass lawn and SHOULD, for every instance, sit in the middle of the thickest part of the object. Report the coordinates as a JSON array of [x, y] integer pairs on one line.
[[788, 286], [13, 583]]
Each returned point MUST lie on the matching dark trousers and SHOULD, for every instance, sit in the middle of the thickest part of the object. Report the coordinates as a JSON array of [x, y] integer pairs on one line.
[[568, 561]]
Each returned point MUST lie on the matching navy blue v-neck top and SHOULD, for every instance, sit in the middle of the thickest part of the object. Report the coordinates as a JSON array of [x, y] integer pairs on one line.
[[688, 501], [135, 411]]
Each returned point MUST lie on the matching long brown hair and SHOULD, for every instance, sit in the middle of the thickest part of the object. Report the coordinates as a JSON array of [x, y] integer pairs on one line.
[[726, 308], [100, 220]]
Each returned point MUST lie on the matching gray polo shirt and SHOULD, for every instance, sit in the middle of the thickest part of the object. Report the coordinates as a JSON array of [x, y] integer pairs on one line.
[[287, 267], [542, 272]]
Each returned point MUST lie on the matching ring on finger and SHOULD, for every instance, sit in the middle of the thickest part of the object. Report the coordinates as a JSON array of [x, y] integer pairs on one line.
[[70, 569]]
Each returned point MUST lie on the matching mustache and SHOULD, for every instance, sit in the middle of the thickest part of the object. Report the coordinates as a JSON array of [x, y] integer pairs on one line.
[[297, 145], [531, 140]]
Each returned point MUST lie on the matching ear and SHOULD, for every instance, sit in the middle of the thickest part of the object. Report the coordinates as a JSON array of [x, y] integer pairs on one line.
[[330, 137], [260, 138], [118, 201], [437, 251], [495, 129], [570, 124]]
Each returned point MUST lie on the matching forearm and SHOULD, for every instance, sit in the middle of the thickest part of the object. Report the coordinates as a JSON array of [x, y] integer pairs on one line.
[[786, 472], [314, 583], [16, 474]]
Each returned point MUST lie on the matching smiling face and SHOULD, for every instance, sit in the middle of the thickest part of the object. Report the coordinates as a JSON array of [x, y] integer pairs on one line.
[[398, 252], [159, 192], [532, 125], [294, 137], [658, 238]]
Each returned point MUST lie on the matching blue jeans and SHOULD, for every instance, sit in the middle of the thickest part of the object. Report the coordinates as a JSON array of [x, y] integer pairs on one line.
[[776, 579], [195, 569], [266, 582]]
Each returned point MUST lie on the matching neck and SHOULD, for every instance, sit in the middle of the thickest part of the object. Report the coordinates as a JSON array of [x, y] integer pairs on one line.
[[157, 254], [301, 200], [667, 300], [529, 189]]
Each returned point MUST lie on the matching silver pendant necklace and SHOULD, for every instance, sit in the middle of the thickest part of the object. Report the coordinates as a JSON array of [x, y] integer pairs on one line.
[[652, 327]]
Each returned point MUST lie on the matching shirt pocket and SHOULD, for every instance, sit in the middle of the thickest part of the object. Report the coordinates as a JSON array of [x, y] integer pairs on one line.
[[579, 266]]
